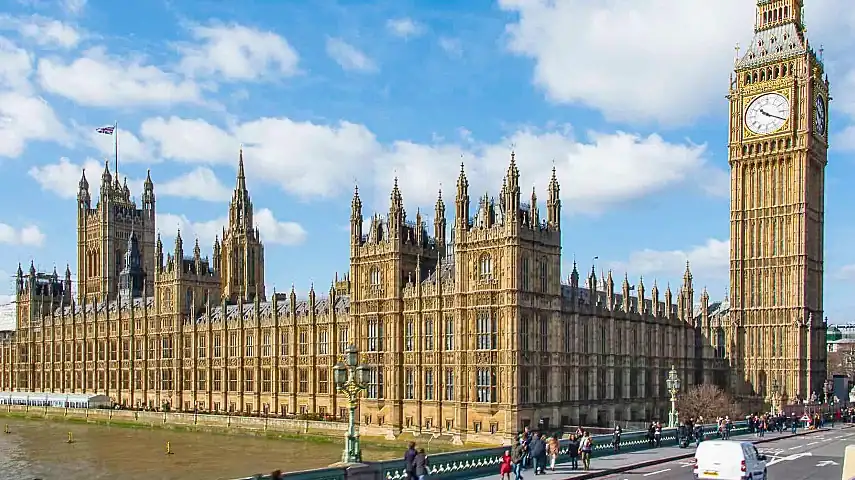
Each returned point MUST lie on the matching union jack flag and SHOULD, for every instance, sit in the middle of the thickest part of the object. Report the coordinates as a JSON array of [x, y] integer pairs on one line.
[[106, 130]]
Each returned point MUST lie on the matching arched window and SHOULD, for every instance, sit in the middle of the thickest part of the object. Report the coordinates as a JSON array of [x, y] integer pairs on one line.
[[485, 266], [374, 277]]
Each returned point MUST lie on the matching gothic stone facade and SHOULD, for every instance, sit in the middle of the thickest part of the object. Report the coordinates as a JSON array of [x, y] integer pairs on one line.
[[467, 337]]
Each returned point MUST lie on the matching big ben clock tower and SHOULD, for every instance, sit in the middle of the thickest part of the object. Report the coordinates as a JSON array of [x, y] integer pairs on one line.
[[778, 151]]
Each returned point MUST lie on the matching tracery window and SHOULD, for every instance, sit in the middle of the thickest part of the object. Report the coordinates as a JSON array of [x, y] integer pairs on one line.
[[486, 266], [374, 277], [485, 388]]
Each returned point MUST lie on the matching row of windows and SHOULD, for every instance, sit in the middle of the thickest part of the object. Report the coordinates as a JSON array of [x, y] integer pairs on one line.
[[534, 386], [164, 346]]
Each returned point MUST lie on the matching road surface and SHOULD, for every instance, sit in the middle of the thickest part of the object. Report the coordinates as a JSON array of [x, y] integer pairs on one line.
[[811, 457]]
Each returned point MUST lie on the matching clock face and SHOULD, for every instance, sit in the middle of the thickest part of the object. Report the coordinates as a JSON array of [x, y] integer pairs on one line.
[[819, 115], [767, 113]]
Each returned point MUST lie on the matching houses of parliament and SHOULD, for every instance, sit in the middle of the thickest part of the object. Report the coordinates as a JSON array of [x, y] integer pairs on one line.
[[467, 324]]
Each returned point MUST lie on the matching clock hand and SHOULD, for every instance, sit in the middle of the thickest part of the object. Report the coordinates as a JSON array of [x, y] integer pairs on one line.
[[764, 112]]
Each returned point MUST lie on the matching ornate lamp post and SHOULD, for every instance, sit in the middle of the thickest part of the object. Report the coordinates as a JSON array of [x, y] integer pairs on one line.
[[350, 379], [775, 397], [673, 384]]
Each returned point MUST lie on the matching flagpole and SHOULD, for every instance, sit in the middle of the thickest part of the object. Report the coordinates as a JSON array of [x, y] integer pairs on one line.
[[116, 145]]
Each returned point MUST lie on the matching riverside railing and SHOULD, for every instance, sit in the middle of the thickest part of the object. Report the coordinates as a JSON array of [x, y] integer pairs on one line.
[[482, 462]]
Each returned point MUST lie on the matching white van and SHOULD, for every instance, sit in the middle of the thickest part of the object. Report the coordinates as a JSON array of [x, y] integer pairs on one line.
[[729, 460]]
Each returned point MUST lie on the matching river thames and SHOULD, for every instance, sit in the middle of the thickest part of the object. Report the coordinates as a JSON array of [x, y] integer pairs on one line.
[[39, 449]]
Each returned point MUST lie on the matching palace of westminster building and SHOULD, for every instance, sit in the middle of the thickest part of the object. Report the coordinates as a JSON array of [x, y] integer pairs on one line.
[[468, 329]]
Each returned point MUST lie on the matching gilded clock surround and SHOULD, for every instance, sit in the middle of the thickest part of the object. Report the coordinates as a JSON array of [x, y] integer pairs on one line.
[[748, 102]]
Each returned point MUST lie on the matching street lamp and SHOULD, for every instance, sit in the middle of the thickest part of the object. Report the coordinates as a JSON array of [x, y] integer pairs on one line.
[[774, 397], [350, 379], [673, 384]]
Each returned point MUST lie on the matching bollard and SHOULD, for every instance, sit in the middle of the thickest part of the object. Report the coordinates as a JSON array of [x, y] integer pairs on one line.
[[70, 438], [168, 448], [6, 429], [849, 463]]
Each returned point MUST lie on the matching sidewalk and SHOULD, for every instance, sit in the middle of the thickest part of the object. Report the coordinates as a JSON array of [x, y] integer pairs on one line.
[[610, 464]]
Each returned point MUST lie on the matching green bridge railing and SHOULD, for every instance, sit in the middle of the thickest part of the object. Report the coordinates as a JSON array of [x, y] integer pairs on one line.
[[482, 462]]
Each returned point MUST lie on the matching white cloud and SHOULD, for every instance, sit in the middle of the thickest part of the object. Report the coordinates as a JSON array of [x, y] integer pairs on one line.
[[190, 140], [29, 235], [404, 27], [301, 157], [272, 230], [131, 148], [349, 57], [63, 178], [201, 183], [43, 31], [74, 7], [15, 66], [656, 60], [25, 118], [452, 46], [708, 261], [311, 160], [236, 52], [97, 79], [595, 173]]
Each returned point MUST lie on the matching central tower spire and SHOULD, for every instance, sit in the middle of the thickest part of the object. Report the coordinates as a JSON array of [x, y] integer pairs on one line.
[[242, 254]]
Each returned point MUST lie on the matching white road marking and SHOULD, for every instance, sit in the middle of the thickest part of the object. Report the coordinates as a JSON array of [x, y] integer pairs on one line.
[[826, 463], [657, 472], [796, 447], [812, 443]]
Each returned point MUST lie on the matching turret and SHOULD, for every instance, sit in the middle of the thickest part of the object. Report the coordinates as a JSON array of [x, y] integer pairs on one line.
[[512, 193], [356, 218], [397, 216], [106, 179], [148, 200], [439, 225], [535, 214], [642, 309], [179, 248], [84, 201], [158, 255], [217, 254], [461, 201], [553, 203], [19, 280], [625, 289]]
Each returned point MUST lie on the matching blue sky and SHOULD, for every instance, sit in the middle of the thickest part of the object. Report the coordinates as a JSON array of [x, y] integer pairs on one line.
[[625, 98]]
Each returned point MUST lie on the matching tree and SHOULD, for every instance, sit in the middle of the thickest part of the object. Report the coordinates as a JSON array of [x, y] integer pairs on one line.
[[707, 401]]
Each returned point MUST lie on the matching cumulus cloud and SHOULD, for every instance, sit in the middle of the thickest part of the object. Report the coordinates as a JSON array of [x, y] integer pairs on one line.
[[404, 27], [97, 79], [237, 52], [634, 61], [272, 230], [349, 57], [43, 31], [28, 235], [25, 118], [597, 170], [709, 260], [200, 183]]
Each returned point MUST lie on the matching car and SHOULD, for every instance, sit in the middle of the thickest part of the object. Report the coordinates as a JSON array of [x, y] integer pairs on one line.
[[729, 460]]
